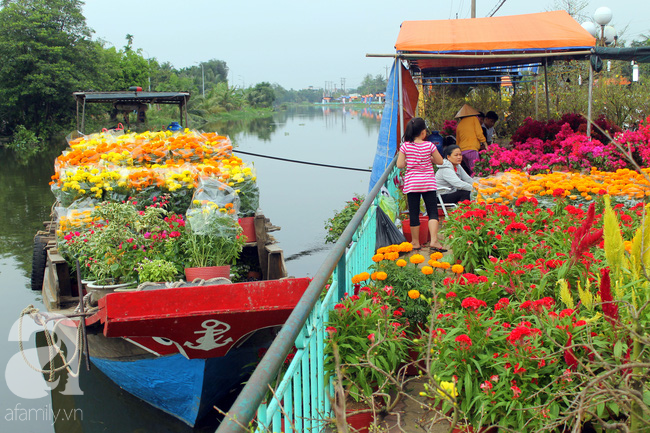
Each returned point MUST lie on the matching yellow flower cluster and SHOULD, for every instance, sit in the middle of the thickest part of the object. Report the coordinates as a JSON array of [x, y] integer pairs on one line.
[[99, 163], [513, 184], [74, 220]]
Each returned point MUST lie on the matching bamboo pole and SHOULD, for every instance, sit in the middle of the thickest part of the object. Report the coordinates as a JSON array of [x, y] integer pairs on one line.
[[482, 57], [401, 99], [548, 106]]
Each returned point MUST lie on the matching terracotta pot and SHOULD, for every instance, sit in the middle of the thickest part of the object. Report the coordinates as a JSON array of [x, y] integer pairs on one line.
[[248, 224], [207, 272], [359, 422], [424, 230]]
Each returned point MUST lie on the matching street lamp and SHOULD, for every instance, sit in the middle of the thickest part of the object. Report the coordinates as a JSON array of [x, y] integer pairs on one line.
[[202, 79], [607, 34]]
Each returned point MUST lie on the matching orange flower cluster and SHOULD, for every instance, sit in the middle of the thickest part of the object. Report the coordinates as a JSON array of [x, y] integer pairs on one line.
[[363, 276], [513, 184]]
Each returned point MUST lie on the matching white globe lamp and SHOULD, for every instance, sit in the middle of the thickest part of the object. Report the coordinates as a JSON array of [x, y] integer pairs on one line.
[[603, 15], [591, 28], [610, 35]]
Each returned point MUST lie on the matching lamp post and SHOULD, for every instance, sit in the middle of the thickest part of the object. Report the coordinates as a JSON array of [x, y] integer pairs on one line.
[[606, 36]]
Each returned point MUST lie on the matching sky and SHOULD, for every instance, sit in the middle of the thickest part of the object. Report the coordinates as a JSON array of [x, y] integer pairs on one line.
[[297, 44]]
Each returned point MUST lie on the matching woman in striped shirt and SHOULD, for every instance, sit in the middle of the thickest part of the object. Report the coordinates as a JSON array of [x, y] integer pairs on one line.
[[418, 157]]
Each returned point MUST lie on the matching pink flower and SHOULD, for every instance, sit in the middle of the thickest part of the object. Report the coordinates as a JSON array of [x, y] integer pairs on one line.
[[516, 391], [330, 330]]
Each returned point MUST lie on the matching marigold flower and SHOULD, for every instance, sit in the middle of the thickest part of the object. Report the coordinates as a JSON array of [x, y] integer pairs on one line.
[[445, 265], [414, 294], [437, 255], [427, 270], [417, 259], [377, 258], [401, 263], [405, 247], [457, 269], [381, 276]]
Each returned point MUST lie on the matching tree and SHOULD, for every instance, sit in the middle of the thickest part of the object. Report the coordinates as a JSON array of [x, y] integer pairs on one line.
[[261, 96], [372, 85], [46, 54]]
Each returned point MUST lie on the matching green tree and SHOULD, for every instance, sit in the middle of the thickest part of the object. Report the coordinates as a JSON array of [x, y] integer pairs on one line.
[[46, 54], [372, 85], [261, 96]]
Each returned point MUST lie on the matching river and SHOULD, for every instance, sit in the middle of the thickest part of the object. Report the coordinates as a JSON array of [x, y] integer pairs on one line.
[[296, 197]]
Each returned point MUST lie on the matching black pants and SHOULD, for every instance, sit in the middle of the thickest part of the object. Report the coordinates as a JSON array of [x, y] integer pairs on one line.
[[456, 196], [430, 202]]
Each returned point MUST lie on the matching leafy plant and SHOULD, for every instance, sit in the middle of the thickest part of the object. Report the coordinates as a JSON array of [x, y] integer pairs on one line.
[[156, 271], [337, 224], [219, 244]]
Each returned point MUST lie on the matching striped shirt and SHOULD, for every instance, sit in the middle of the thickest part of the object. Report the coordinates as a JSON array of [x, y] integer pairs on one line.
[[420, 176]]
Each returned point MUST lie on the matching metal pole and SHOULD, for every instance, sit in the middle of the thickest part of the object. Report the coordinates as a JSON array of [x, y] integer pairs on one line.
[[203, 79], [473, 8], [591, 86], [401, 101], [536, 96], [548, 105], [83, 116]]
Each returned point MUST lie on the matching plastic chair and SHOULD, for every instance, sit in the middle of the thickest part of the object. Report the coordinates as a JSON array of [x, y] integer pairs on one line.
[[444, 205]]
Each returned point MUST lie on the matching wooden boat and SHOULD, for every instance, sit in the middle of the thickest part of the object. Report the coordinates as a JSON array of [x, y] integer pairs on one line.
[[184, 348], [181, 349]]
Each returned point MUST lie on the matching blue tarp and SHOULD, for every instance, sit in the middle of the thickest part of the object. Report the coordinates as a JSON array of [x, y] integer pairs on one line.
[[387, 139]]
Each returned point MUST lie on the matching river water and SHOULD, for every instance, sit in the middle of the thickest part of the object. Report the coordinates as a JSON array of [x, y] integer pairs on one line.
[[296, 197]]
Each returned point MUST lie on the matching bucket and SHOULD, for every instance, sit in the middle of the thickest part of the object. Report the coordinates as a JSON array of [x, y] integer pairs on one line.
[[248, 224], [207, 273], [359, 422], [424, 229]]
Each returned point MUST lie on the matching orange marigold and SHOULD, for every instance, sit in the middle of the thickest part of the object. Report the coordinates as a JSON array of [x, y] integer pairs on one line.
[[401, 263], [445, 265], [414, 294], [434, 263], [457, 269], [381, 276], [377, 258], [437, 255], [373, 276], [391, 256], [417, 258], [427, 270], [405, 247], [383, 250]]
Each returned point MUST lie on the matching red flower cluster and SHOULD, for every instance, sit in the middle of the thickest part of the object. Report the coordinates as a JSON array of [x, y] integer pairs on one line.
[[522, 331], [472, 303], [464, 341]]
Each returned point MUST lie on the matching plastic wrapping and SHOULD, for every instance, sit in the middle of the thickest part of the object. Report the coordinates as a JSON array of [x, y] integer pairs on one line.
[[387, 232], [212, 202]]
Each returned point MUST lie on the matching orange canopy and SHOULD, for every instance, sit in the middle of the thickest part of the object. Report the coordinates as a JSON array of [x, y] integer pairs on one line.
[[486, 38], [546, 30]]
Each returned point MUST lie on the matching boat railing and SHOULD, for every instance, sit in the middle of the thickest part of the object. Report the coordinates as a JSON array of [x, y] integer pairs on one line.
[[297, 397]]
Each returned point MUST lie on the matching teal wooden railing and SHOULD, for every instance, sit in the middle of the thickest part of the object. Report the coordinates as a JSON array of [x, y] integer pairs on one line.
[[301, 400]]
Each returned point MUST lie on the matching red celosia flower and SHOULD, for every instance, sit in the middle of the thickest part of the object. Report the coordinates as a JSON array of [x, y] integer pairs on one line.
[[516, 391], [464, 340], [569, 356], [610, 309], [472, 303], [520, 332]]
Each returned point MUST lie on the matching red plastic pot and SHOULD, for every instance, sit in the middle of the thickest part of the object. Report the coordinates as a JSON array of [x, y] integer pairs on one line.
[[359, 422], [248, 224], [424, 230], [207, 272]]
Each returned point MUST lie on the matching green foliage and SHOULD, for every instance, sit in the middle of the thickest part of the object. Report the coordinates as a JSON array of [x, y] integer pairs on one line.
[[220, 243], [337, 224], [372, 85], [156, 271], [261, 96], [25, 143]]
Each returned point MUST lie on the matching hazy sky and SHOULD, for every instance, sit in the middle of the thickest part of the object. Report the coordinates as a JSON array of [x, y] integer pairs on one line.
[[298, 43]]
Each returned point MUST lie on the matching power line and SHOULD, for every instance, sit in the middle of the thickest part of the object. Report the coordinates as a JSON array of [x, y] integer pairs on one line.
[[496, 8], [302, 162]]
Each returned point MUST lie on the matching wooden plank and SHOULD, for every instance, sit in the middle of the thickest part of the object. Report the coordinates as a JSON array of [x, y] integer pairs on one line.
[[276, 267], [260, 234]]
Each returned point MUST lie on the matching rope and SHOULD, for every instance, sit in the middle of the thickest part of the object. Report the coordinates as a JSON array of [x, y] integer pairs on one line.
[[40, 319], [303, 162]]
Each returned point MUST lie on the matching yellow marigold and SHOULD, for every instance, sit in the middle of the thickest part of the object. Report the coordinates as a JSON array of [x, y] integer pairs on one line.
[[414, 294], [381, 276], [377, 257], [434, 263], [445, 265], [401, 263], [427, 270], [417, 258], [405, 247], [457, 269], [437, 255]]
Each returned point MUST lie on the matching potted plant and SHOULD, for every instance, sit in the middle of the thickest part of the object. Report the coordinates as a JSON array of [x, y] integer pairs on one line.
[[213, 242], [366, 346], [342, 218], [156, 271]]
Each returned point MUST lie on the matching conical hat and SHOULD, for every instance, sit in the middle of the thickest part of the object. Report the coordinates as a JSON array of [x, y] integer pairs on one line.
[[466, 111]]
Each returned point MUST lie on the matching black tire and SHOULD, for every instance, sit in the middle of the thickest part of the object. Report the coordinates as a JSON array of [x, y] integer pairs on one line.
[[39, 259]]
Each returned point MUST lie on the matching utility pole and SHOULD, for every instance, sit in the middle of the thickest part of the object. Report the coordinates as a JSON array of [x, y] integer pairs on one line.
[[386, 74], [203, 80], [343, 84], [473, 8]]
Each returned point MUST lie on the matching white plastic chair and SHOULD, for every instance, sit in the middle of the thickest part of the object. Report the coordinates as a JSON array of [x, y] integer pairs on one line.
[[444, 205]]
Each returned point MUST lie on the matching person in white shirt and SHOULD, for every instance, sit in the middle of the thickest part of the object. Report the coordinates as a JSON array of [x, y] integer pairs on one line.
[[454, 184]]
